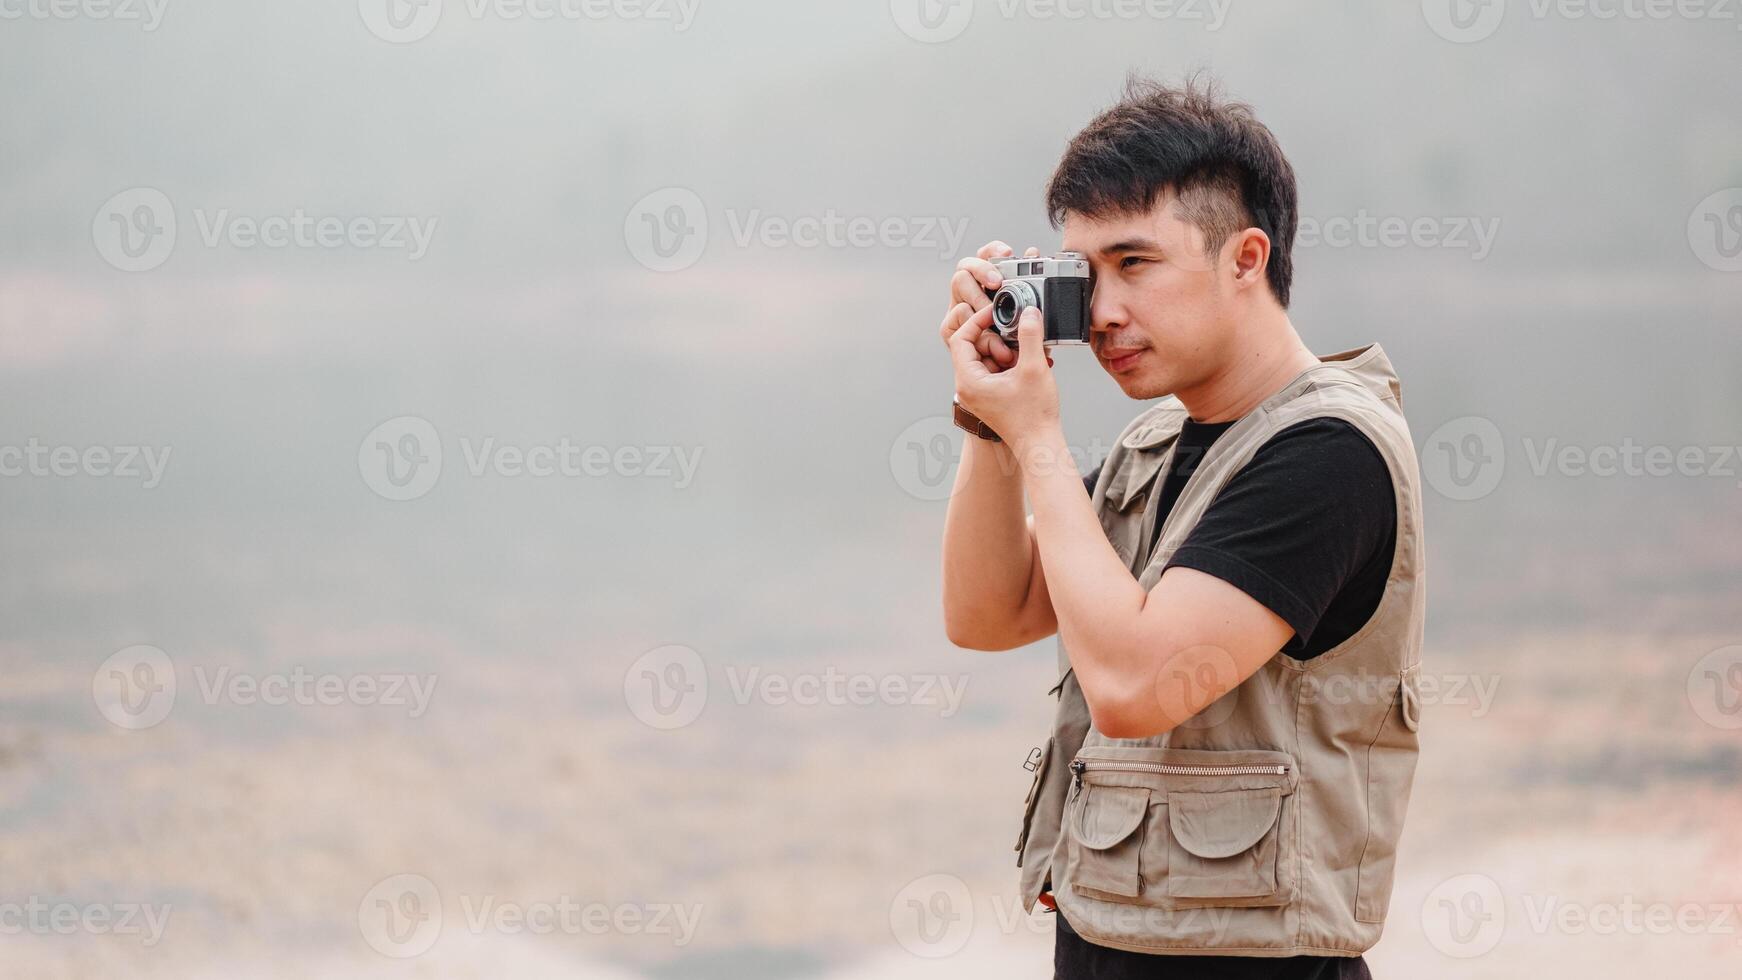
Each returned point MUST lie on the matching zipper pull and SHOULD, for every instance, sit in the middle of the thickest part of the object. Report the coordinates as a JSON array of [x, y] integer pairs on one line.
[[1077, 767]]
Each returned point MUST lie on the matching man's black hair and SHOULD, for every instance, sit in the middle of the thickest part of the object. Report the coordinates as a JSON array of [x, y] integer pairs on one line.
[[1223, 165]]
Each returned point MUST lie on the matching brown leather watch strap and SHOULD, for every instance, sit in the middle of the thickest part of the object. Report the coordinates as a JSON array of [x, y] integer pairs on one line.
[[969, 422]]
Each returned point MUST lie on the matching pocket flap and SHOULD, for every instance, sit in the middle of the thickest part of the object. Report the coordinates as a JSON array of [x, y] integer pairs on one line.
[[1219, 825], [1108, 815], [1410, 697]]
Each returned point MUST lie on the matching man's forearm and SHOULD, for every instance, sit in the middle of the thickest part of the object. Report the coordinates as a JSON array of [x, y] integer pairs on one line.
[[1094, 596], [988, 559]]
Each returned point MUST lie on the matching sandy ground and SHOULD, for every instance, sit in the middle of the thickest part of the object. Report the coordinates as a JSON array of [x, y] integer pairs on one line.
[[1566, 820]]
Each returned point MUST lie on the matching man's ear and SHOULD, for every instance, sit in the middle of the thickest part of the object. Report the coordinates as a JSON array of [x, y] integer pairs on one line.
[[1251, 256]]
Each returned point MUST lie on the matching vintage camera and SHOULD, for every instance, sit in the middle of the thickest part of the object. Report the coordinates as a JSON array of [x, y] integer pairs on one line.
[[1057, 284]]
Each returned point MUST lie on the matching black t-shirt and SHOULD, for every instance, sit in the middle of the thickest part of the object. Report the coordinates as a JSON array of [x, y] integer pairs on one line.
[[1308, 528]]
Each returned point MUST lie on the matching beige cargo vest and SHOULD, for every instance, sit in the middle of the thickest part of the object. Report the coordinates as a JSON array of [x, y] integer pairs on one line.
[[1266, 825]]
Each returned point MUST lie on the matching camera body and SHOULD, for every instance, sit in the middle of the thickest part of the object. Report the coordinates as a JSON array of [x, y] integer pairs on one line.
[[1057, 284]]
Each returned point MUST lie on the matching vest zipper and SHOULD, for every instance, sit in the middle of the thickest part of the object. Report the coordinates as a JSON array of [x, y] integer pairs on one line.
[[1078, 766]]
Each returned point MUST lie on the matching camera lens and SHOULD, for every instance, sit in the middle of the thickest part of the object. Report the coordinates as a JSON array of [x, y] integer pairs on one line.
[[1008, 304]]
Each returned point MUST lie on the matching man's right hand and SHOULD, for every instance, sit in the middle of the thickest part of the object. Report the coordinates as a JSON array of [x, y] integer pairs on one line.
[[974, 276]]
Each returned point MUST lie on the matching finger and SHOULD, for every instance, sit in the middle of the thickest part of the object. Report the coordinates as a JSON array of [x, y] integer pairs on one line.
[[1030, 340], [975, 325], [985, 277], [993, 250], [953, 320], [966, 286], [999, 350], [1031, 253], [993, 348], [984, 344], [965, 356]]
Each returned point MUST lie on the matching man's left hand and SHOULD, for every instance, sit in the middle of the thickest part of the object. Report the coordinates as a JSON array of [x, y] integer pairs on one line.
[[1018, 402]]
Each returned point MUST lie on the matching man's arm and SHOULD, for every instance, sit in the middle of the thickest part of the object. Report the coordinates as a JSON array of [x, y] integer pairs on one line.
[[1307, 530], [995, 595], [994, 590], [1146, 661]]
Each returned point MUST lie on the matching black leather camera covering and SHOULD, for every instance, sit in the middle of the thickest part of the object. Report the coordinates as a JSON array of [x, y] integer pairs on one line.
[[1066, 305]]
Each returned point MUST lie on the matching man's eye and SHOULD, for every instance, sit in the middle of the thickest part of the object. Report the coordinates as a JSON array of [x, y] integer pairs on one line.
[[1130, 260]]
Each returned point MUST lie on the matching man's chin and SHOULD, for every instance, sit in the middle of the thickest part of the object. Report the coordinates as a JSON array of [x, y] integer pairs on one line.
[[1141, 385]]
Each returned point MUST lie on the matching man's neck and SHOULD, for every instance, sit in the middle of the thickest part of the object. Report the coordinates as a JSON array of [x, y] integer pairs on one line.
[[1265, 365]]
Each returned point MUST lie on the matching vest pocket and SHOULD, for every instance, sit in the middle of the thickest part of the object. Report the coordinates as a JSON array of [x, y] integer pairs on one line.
[[1181, 828], [1390, 772], [1104, 826], [1224, 844]]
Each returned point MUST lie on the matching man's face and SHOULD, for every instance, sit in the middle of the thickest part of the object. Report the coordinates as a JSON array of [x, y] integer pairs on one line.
[[1162, 310]]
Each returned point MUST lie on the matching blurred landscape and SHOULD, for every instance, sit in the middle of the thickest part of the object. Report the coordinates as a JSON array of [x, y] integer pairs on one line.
[[1583, 752]]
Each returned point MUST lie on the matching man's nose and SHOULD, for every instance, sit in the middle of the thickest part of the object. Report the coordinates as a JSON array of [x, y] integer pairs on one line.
[[1105, 315]]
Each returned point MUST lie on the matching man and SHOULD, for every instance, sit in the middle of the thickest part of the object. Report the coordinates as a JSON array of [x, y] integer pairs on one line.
[[1238, 598]]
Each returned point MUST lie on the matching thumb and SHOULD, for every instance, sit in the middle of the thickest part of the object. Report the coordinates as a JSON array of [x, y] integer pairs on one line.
[[1030, 338]]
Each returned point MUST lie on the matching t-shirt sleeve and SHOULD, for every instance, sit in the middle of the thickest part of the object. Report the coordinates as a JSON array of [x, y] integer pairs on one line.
[[1089, 481], [1312, 508]]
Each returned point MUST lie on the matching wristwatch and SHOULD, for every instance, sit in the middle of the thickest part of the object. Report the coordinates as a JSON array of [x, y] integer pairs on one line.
[[969, 422]]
